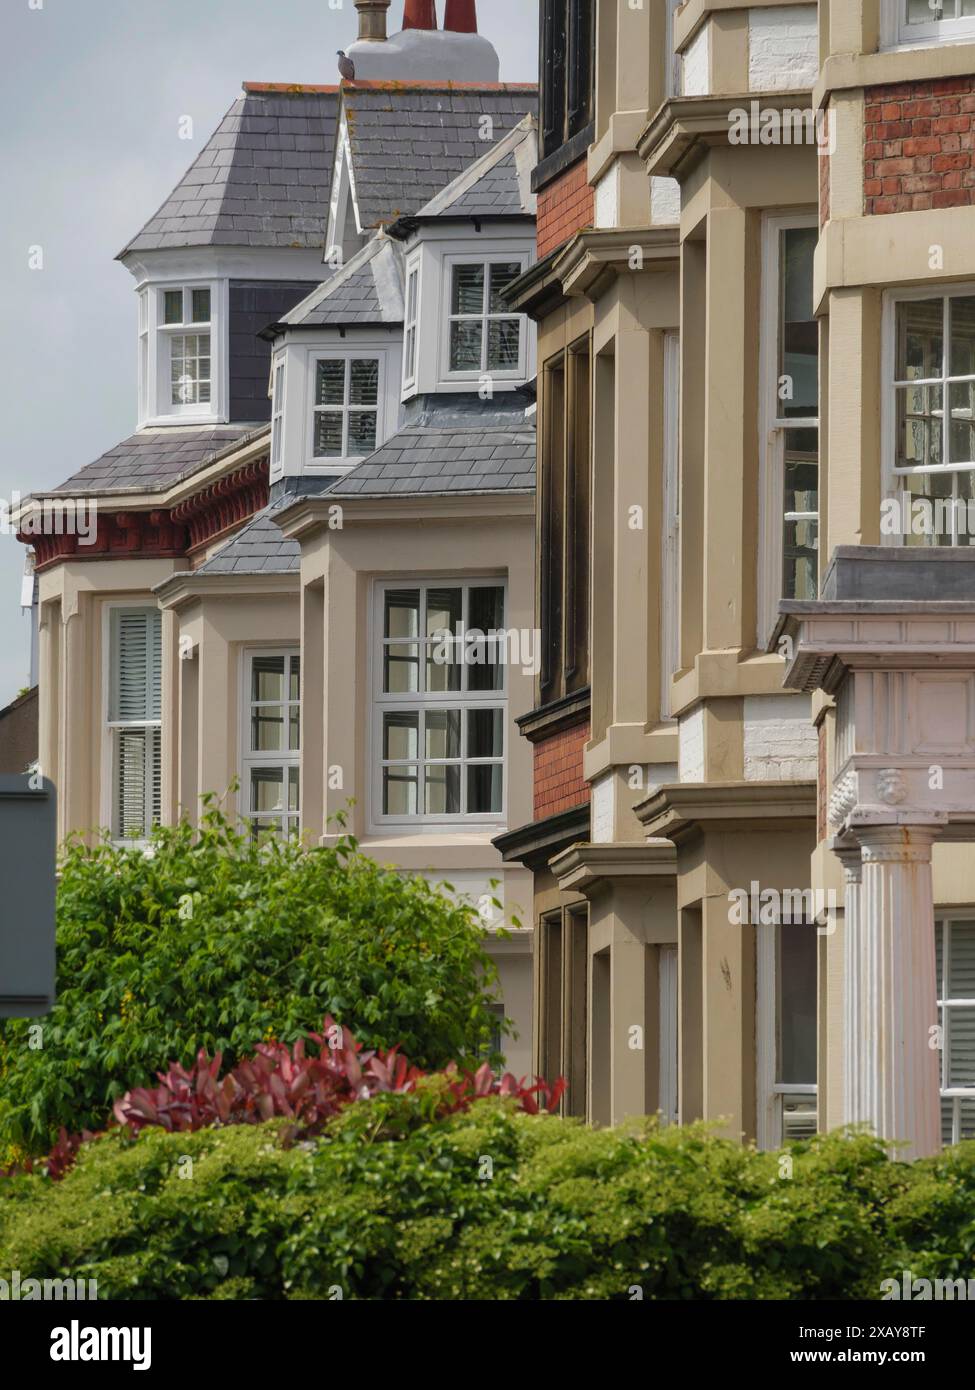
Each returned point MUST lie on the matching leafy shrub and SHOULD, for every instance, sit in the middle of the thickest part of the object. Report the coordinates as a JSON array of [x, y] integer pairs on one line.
[[488, 1203], [214, 942]]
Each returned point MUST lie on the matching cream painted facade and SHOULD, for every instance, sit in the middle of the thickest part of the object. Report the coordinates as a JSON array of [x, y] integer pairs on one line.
[[774, 291]]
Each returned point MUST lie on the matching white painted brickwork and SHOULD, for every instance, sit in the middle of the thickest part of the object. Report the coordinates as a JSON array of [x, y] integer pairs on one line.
[[696, 65], [783, 48], [780, 742], [690, 745], [664, 201], [603, 826]]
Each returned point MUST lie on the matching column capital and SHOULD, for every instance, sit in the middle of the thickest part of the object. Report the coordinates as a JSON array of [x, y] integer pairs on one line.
[[884, 835]]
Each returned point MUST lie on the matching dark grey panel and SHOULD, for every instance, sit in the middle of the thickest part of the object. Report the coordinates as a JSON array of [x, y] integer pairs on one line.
[[28, 862], [253, 305]]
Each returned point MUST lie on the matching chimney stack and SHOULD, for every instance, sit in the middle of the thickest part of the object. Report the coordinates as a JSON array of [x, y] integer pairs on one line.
[[420, 14], [461, 16], [372, 20]]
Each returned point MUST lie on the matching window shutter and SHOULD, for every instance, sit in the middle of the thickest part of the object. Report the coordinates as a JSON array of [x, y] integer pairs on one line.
[[961, 1022], [137, 674]]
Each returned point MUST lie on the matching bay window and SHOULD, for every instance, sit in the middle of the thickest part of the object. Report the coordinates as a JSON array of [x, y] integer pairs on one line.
[[347, 393], [135, 720], [271, 748], [440, 702], [790, 362], [955, 948], [482, 334], [932, 390]]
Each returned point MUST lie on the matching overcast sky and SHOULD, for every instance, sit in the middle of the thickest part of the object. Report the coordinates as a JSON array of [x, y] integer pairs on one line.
[[90, 105]]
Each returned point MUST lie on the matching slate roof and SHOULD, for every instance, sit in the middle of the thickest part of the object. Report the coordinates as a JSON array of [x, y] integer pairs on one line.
[[498, 184], [409, 140], [262, 179], [368, 290], [468, 458], [259, 548], [155, 459]]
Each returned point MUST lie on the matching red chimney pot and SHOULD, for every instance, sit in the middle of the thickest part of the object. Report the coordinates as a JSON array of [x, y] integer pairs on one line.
[[420, 14], [461, 16]]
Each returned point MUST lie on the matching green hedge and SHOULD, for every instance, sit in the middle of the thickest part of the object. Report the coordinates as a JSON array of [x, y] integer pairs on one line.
[[489, 1204], [213, 941]]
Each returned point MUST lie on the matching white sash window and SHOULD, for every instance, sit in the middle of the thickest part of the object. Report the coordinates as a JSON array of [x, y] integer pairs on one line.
[[135, 720]]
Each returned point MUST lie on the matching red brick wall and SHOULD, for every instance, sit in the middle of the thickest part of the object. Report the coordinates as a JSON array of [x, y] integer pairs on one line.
[[564, 206], [919, 145], [559, 783]]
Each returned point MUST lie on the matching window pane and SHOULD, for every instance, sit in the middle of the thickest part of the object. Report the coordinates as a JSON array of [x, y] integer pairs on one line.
[[444, 610], [920, 11], [294, 688], [442, 790], [961, 311], [961, 435], [294, 730], [402, 672], [411, 296], [293, 802], [173, 306], [920, 339], [442, 733], [267, 678], [267, 729], [364, 381], [799, 345], [501, 276], [399, 791], [485, 733], [402, 608], [801, 495], [410, 353], [504, 339], [201, 306], [465, 346], [919, 425], [467, 295], [267, 789], [401, 735], [484, 789], [937, 488], [444, 664], [328, 433], [796, 997], [486, 607], [362, 431], [330, 388]]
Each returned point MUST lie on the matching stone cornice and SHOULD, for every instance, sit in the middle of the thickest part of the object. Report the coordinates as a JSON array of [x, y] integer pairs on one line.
[[593, 258], [684, 129], [586, 867], [676, 812], [536, 843]]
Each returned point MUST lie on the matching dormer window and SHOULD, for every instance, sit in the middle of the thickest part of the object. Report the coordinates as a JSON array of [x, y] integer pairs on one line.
[[181, 363], [910, 23], [484, 336], [346, 410]]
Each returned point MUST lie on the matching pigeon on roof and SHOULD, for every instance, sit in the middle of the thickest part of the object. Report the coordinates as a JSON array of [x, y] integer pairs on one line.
[[346, 66]]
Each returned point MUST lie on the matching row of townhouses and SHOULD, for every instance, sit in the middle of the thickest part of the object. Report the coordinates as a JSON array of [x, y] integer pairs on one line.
[[698, 710]]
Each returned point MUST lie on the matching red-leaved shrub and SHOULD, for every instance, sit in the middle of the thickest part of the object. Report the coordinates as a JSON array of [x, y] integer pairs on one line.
[[306, 1089]]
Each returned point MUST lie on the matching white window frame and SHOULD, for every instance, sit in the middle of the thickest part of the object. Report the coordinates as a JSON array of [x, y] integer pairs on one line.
[[411, 326], [894, 477], [956, 1094], [487, 259], [462, 700], [155, 386], [670, 607], [770, 1092], [110, 726], [773, 426], [896, 32], [277, 393], [347, 354], [274, 759]]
